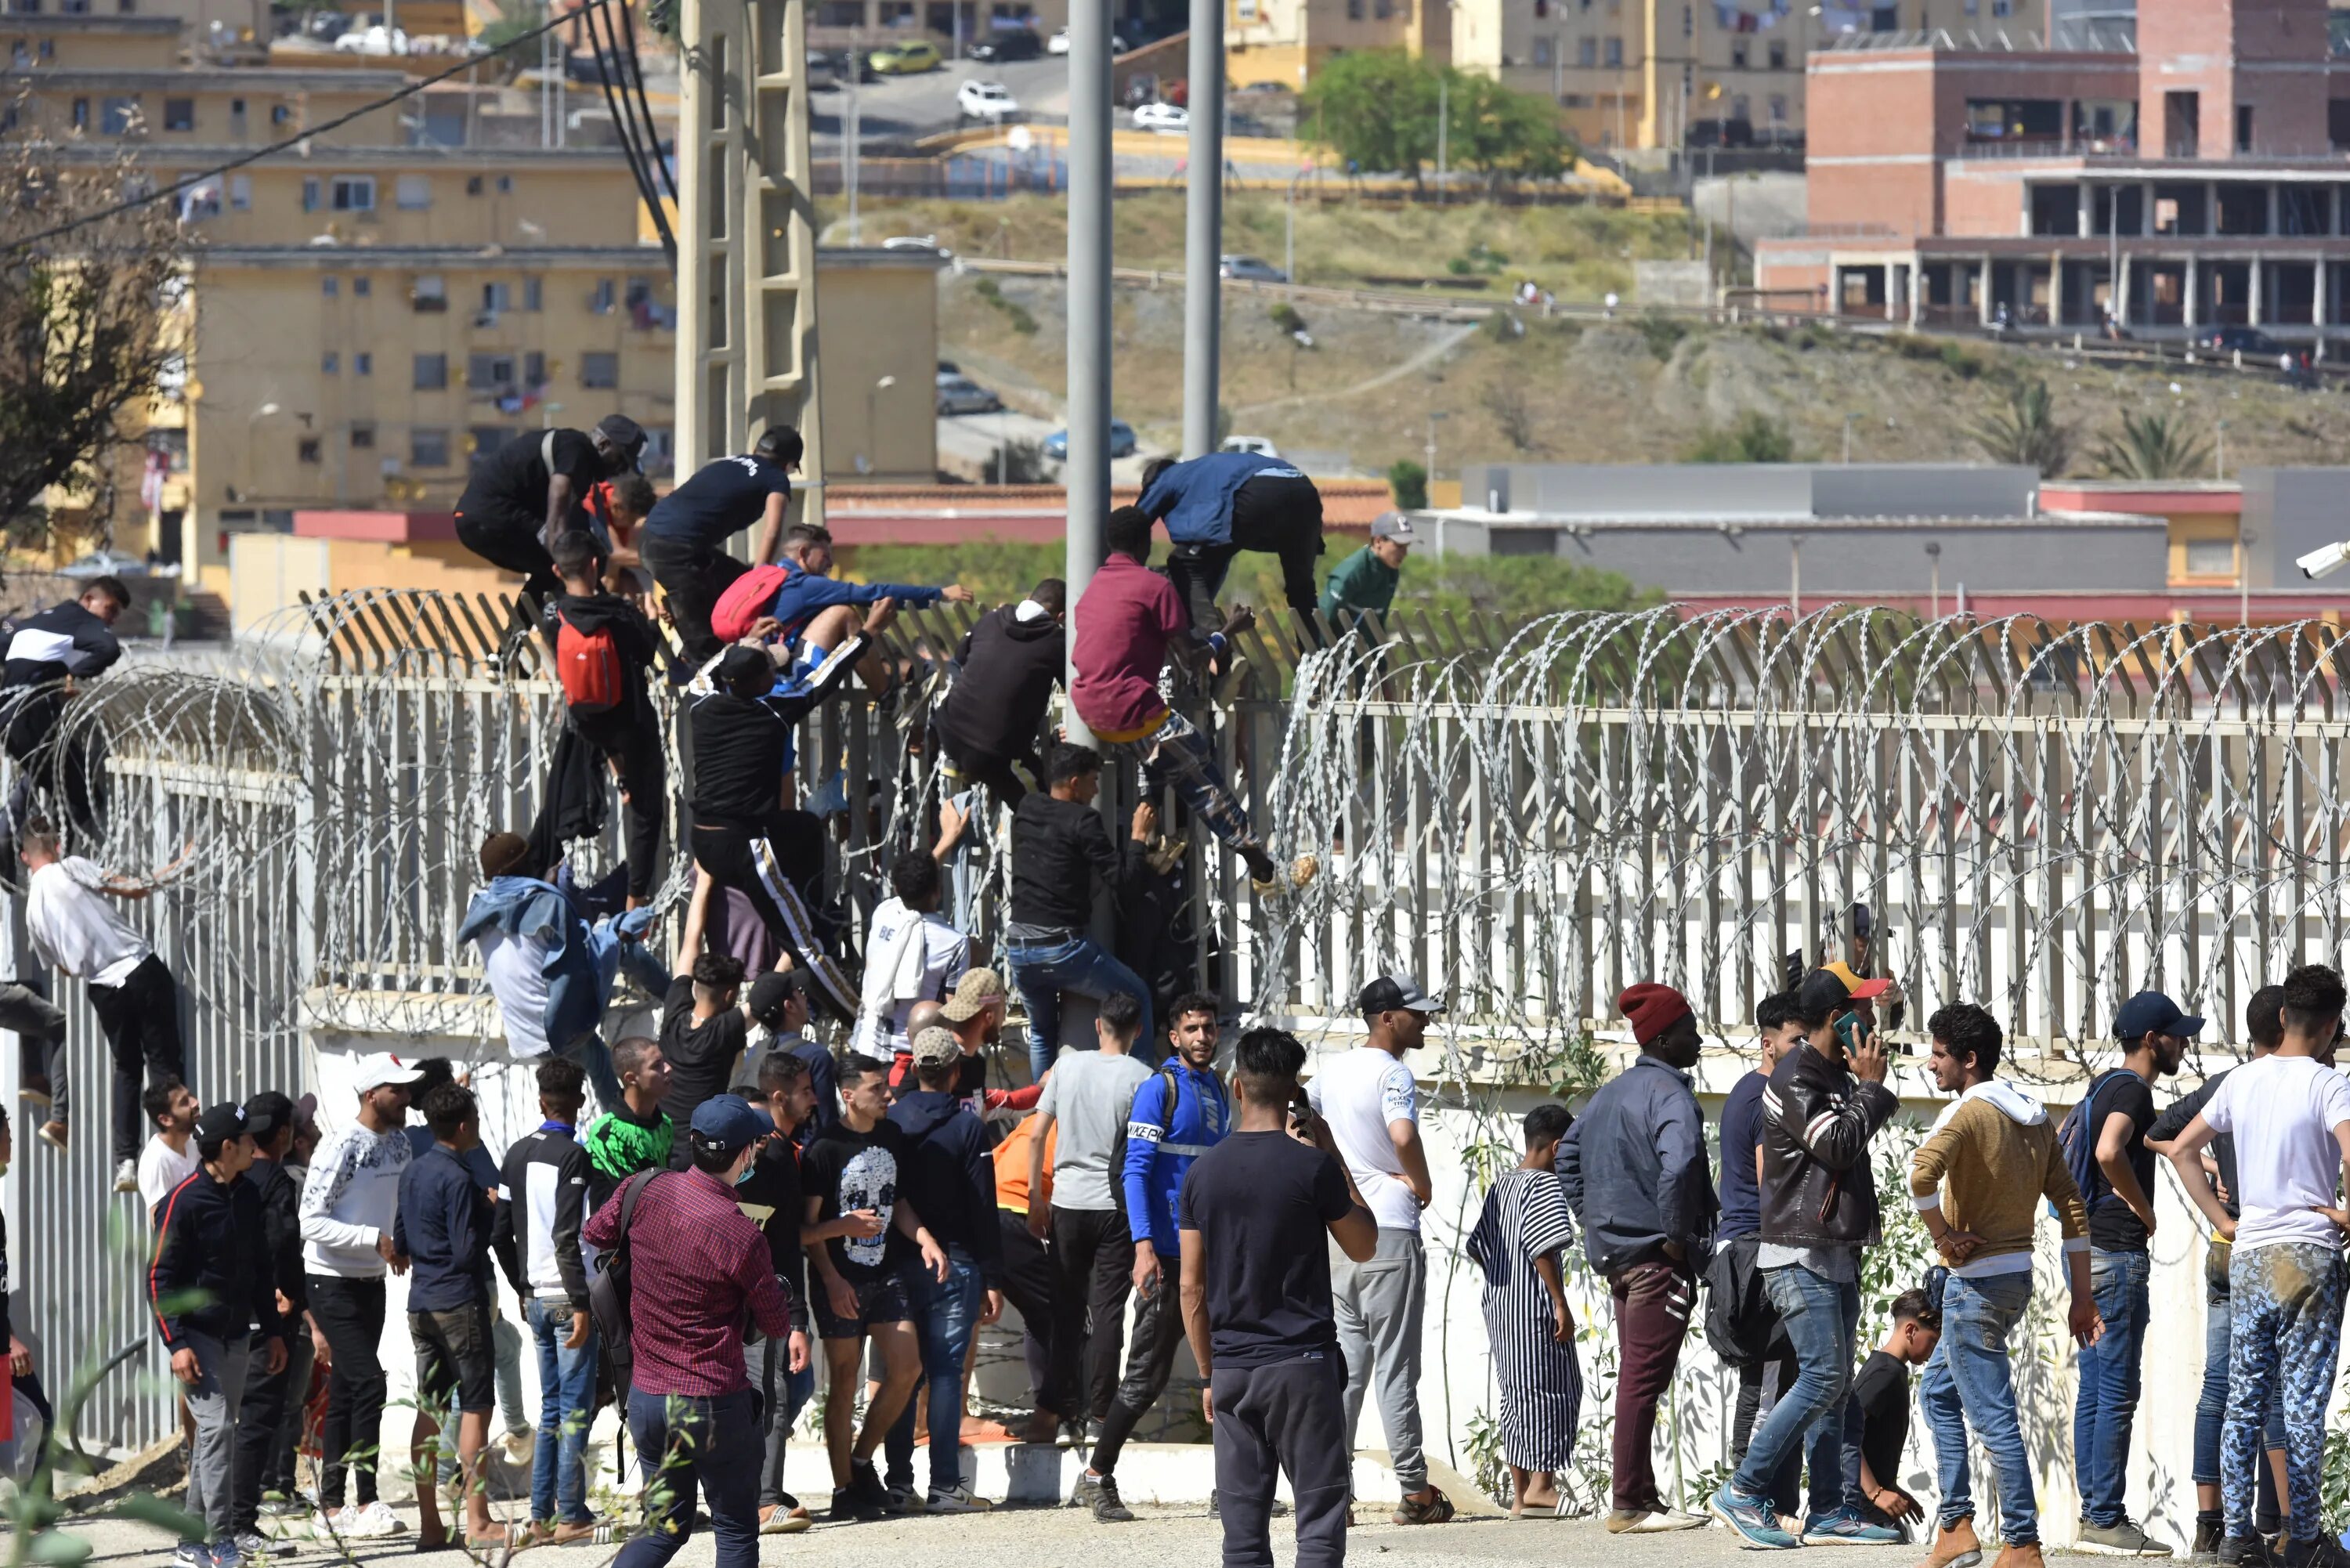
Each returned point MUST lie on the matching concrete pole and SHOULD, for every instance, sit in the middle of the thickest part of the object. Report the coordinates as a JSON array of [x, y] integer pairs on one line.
[[1087, 471], [1203, 230]]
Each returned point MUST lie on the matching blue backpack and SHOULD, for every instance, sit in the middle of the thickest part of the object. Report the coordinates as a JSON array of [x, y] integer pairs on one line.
[[2079, 1136]]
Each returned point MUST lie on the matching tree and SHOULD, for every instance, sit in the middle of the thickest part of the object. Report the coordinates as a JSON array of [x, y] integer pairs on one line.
[[2153, 446], [1377, 110], [1755, 438], [2024, 430], [88, 320], [1408, 482], [1513, 412], [1502, 133]]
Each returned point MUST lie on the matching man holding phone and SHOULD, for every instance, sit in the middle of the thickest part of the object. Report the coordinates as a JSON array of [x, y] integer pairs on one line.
[[1824, 1104]]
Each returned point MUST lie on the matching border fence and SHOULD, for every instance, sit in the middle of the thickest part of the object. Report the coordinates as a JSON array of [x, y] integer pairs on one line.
[[1528, 814]]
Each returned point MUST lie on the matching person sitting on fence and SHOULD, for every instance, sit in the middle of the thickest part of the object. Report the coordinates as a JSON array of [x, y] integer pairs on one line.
[[744, 835], [683, 542], [604, 651], [48, 655], [1130, 619], [911, 955], [1218, 505], [802, 612], [523, 496], [617, 510], [1010, 662]]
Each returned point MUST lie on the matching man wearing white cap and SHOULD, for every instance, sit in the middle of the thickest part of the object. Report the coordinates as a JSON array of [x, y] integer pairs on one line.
[[1365, 582], [348, 1204]]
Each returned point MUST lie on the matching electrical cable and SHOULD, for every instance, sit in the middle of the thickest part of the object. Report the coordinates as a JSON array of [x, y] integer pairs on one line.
[[605, 62], [627, 27], [132, 203]]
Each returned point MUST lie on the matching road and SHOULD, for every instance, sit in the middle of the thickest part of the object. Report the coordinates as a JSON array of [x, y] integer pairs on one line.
[[917, 105], [968, 442]]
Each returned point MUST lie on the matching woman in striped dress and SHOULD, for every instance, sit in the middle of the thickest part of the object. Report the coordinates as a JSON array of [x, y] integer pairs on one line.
[[1518, 1242]]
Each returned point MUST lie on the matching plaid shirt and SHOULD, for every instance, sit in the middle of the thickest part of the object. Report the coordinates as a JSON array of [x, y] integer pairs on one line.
[[699, 1269]]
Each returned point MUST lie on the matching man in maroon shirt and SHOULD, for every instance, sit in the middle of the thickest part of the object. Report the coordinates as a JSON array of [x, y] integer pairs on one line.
[[699, 1268], [1130, 619]]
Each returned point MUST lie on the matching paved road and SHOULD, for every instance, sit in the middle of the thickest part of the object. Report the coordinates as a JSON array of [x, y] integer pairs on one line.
[[1063, 1538], [972, 439], [898, 106]]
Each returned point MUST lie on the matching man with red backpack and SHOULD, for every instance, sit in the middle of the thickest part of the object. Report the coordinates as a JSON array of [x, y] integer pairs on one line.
[[808, 612], [603, 648]]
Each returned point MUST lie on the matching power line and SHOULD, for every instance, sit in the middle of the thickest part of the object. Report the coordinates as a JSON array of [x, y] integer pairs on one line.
[[133, 203]]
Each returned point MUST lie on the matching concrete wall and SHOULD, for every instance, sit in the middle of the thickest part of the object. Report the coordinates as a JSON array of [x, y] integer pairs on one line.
[[2290, 512], [1610, 491]]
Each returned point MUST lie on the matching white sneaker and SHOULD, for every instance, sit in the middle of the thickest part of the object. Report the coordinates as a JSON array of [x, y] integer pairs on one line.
[[372, 1522], [126, 1176], [959, 1500], [518, 1449]]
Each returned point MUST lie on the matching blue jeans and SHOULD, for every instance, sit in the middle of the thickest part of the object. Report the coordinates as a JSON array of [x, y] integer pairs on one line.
[[1968, 1383], [2211, 1406], [566, 1381], [2288, 1335], [1081, 965], [681, 1442], [1822, 1318], [946, 1314], [2107, 1403]]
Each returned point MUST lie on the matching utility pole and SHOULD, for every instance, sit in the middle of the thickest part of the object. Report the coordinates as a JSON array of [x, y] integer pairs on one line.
[[851, 133], [1289, 233], [1087, 471], [1443, 123], [1795, 576], [1934, 558], [1203, 228]]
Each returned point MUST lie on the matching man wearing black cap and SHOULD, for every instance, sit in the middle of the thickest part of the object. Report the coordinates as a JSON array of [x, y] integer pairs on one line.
[[532, 489], [211, 1277], [684, 543], [699, 1269], [269, 1420], [2116, 1114], [779, 1003]]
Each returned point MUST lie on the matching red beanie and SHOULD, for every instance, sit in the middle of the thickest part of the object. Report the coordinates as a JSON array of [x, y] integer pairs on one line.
[[1653, 1009]]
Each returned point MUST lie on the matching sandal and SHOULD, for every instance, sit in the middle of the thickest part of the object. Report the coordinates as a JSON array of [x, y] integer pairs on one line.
[[1437, 1509]]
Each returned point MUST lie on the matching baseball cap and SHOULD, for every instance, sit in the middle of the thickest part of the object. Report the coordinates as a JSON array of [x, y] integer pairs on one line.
[[1396, 993], [728, 1123], [770, 991], [625, 435], [1821, 994], [974, 991], [2151, 1012], [221, 1123], [740, 664], [1393, 526], [1859, 989], [383, 1070], [935, 1046], [266, 1112]]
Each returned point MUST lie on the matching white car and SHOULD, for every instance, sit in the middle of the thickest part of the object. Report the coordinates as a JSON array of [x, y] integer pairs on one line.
[[986, 101], [1162, 117], [376, 40], [1059, 43], [928, 242], [1255, 446]]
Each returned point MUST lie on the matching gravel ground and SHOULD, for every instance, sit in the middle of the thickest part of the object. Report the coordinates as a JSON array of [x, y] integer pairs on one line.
[[1063, 1538]]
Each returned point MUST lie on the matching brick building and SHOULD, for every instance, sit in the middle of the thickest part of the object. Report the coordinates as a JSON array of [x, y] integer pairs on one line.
[[2203, 180]]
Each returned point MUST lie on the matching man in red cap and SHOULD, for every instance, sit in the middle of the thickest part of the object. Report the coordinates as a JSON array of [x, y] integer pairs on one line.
[[1635, 1172]]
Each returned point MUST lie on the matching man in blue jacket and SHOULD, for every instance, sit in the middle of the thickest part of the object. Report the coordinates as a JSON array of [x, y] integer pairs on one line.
[[1218, 505], [1178, 1114], [1634, 1170]]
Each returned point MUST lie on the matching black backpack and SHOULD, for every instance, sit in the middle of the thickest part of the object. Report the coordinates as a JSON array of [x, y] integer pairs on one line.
[[608, 1293], [1166, 1076]]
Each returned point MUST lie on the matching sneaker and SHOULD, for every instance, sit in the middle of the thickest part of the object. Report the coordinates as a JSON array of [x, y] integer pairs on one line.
[[2323, 1552], [126, 1176], [372, 1521], [1435, 1509], [784, 1518], [1108, 1507], [2207, 1534], [898, 1498], [865, 1482], [519, 1448], [1757, 1526], [1845, 1528], [2123, 1538], [224, 1554], [36, 1093], [2244, 1551], [959, 1500], [1652, 1520], [252, 1543], [849, 1502], [1087, 1492]]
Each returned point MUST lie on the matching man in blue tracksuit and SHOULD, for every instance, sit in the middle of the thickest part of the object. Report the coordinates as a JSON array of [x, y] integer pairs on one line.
[[815, 613], [1218, 505], [1161, 1142]]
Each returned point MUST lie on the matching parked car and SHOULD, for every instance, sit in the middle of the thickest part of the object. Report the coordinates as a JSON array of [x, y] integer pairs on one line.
[[1252, 269], [823, 73], [1121, 441], [986, 101], [2247, 340], [1059, 43], [949, 367], [1162, 117], [106, 564], [376, 40], [1011, 44], [928, 242], [912, 57], [962, 395], [1255, 446]]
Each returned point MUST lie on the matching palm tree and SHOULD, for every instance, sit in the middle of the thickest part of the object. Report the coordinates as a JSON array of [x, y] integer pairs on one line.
[[2153, 446], [2024, 430]]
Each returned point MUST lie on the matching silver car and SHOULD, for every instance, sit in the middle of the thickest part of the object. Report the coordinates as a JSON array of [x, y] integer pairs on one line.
[[962, 395]]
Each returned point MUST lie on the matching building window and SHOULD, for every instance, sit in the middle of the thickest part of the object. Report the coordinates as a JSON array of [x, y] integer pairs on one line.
[[489, 372], [362, 437], [118, 115], [1354, 10], [1382, 9], [534, 295], [81, 114], [428, 448], [362, 363], [497, 297], [413, 193], [240, 192], [1738, 55], [178, 114], [600, 371], [432, 372], [2211, 557], [1738, 108], [281, 114], [353, 193], [473, 185], [1778, 108], [534, 368], [605, 295], [310, 192], [428, 293], [307, 449], [1778, 57], [331, 363], [361, 288], [330, 285], [1614, 54], [1586, 52], [1543, 49], [1542, 9], [840, 13]]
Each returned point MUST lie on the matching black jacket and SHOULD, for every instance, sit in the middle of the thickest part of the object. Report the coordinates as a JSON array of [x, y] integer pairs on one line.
[[542, 1204], [996, 706], [64, 639], [741, 745], [281, 1227], [1817, 1119], [949, 1174], [1057, 848], [443, 1225], [210, 1272], [633, 636]]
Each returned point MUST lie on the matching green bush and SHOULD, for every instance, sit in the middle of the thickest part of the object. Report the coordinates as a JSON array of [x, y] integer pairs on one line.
[[1408, 482], [1284, 315], [1755, 438]]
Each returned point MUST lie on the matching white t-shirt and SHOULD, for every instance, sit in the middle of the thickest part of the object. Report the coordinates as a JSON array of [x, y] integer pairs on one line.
[[910, 957], [1359, 1094], [2283, 1111], [162, 1167], [516, 971], [75, 929]]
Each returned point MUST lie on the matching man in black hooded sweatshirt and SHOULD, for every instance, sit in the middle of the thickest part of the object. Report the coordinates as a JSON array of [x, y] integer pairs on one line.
[[604, 646], [995, 710]]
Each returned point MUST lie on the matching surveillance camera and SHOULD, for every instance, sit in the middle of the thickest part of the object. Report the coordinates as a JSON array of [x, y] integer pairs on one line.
[[2323, 562]]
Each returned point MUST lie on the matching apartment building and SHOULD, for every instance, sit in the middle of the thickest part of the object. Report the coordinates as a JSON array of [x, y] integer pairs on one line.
[[2202, 180]]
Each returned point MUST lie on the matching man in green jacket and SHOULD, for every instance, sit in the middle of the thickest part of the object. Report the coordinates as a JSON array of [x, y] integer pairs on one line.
[[1365, 582]]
